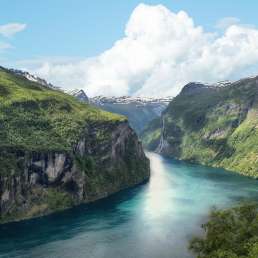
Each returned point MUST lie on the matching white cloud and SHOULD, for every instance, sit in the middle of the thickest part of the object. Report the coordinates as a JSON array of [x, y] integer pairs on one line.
[[10, 29], [226, 22], [159, 53]]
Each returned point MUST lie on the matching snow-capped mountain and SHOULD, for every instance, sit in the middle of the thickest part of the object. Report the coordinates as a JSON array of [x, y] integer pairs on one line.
[[130, 99], [139, 110], [158, 104], [223, 83], [80, 95], [34, 78]]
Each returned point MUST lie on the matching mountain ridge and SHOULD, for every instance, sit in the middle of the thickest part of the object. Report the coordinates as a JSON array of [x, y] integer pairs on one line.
[[210, 125]]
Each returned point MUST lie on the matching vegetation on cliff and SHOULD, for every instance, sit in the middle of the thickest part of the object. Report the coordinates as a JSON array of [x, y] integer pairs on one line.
[[231, 233], [57, 152], [151, 134], [216, 126], [36, 118]]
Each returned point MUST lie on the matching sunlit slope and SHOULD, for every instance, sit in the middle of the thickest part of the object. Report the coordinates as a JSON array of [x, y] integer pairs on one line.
[[211, 125], [34, 117]]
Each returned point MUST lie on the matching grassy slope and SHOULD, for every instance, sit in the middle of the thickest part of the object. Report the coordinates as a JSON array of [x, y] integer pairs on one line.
[[216, 127], [36, 118]]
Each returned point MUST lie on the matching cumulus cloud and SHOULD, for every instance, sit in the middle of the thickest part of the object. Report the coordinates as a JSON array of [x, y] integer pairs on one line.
[[226, 22], [159, 53], [10, 29]]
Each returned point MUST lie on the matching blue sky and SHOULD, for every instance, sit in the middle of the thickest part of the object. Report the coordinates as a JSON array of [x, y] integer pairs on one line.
[[130, 47], [82, 28]]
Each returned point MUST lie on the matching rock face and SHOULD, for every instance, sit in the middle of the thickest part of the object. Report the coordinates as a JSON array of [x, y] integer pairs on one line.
[[214, 125], [46, 182], [56, 152]]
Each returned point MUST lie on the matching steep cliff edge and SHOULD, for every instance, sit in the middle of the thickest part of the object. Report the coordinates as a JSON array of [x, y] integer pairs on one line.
[[56, 152], [215, 125]]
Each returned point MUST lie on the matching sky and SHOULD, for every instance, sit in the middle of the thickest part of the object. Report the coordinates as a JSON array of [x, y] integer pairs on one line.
[[146, 48]]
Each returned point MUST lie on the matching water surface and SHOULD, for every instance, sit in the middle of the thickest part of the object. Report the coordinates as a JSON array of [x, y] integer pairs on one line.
[[153, 220]]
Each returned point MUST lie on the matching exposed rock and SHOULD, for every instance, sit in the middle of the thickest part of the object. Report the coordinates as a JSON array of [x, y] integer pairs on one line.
[[118, 163]]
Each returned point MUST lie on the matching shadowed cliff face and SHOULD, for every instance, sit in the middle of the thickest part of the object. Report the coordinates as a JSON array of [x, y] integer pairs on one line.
[[56, 152], [99, 166], [215, 125]]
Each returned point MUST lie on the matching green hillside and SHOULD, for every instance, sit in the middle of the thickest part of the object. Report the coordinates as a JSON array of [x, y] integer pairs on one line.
[[34, 117], [216, 126]]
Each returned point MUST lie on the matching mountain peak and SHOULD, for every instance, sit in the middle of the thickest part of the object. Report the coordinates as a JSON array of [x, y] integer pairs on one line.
[[79, 94], [195, 88]]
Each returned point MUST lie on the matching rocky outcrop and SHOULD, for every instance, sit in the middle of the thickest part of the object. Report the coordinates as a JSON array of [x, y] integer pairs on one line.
[[107, 158]]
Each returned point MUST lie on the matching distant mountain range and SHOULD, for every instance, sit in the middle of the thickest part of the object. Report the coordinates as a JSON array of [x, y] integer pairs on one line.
[[139, 110], [80, 95]]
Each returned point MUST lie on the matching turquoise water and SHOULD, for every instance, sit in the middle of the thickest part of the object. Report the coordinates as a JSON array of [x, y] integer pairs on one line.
[[154, 220]]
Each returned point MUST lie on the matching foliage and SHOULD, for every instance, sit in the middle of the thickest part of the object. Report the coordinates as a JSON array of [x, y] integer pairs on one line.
[[85, 163], [58, 200], [8, 163], [231, 233], [151, 134]]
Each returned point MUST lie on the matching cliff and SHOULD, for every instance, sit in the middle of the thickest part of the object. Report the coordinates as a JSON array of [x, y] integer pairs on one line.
[[56, 152], [214, 125]]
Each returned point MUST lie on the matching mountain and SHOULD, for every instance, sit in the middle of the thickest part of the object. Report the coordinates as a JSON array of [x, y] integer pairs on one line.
[[80, 95], [57, 152], [32, 78], [139, 111], [215, 125]]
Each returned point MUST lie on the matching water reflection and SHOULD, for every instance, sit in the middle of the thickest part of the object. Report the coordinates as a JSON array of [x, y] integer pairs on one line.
[[160, 190]]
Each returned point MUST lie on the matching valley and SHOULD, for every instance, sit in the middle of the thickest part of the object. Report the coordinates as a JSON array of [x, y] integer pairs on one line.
[[128, 129], [79, 161], [157, 219]]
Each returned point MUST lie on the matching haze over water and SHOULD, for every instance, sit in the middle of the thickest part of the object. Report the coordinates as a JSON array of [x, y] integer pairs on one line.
[[153, 220]]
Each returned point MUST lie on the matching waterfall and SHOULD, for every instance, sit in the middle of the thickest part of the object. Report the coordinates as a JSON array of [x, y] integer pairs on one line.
[[162, 142]]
